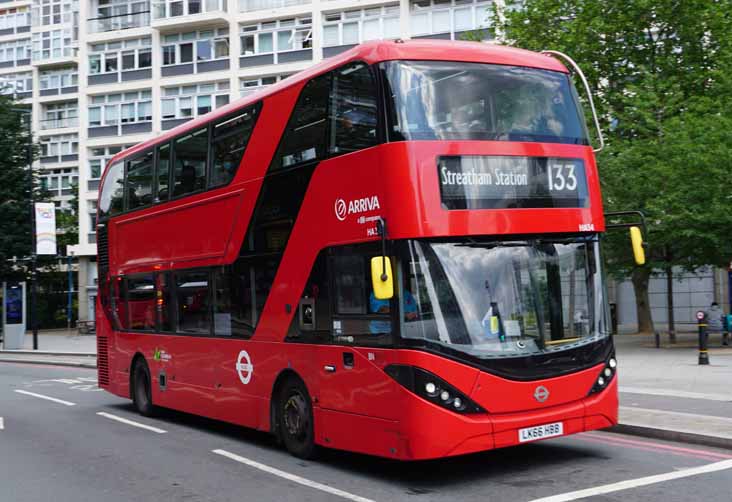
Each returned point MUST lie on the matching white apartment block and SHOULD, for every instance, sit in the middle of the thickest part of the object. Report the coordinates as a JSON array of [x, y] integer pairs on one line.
[[102, 75]]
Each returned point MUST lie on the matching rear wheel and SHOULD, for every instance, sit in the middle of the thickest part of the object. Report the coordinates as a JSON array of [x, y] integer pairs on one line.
[[142, 389], [295, 419]]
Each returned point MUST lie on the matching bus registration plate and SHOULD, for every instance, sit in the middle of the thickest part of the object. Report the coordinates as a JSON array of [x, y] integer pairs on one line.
[[540, 432]]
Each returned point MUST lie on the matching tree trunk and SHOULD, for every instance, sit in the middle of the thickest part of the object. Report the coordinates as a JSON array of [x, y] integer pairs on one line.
[[670, 303], [640, 278]]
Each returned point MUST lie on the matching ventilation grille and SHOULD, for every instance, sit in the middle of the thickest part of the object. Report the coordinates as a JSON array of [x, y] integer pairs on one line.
[[102, 360], [102, 251]]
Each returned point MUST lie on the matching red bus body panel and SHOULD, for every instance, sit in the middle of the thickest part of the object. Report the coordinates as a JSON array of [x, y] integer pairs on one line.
[[360, 409]]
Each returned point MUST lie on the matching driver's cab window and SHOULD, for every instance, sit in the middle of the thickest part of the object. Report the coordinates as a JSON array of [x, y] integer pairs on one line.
[[358, 316]]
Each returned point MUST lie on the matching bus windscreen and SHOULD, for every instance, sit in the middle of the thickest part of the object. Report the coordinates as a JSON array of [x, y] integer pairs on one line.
[[446, 100]]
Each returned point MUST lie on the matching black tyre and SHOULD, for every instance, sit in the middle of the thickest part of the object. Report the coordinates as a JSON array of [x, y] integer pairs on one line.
[[295, 419], [142, 389]]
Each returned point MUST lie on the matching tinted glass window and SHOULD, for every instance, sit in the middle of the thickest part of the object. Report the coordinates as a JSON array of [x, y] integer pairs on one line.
[[163, 303], [304, 137], [190, 162], [111, 200], [139, 181], [119, 303], [163, 172], [233, 300], [354, 113], [141, 302], [193, 302], [230, 139], [443, 100], [357, 312]]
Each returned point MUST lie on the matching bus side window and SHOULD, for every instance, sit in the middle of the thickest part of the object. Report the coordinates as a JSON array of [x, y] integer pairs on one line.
[[111, 200], [190, 154], [230, 138], [192, 299], [304, 137], [139, 181], [163, 172], [163, 303], [353, 109], [141, 302]]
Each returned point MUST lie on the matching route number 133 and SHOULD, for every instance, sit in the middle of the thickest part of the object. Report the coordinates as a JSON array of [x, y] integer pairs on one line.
[[561, 177]]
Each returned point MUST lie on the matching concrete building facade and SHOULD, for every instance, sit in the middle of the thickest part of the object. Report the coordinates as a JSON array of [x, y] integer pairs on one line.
[[102, 75]]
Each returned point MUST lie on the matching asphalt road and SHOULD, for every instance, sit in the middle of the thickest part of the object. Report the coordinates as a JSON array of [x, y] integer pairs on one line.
[[64, 450]]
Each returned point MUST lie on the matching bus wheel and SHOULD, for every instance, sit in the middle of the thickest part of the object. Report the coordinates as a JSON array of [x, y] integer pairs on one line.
[[142, 389], [295, 416]]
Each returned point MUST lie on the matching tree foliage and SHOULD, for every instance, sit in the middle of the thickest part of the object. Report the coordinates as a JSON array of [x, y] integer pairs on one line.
[[15, 182], [659, 70]]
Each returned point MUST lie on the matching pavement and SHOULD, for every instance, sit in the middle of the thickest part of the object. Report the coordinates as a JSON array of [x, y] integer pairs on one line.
[[60, 347], [664, 392]]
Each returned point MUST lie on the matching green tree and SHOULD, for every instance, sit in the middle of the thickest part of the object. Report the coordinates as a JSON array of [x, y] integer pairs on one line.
[[658, 68], [15, 189]]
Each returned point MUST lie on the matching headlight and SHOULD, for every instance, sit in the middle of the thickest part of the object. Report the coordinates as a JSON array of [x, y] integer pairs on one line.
[[607, 373], [432, 388]]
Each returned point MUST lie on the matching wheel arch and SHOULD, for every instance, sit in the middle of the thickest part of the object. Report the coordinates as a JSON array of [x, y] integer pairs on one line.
[[135, 359], [282, 377]]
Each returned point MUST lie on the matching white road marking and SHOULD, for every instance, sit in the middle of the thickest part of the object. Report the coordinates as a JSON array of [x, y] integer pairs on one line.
[[635, 483], [41, 396], [292, 477], [675, 393], [131, 422], [2, 424]]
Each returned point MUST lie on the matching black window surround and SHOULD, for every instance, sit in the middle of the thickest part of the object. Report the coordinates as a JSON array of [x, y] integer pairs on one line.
[[255, 111]]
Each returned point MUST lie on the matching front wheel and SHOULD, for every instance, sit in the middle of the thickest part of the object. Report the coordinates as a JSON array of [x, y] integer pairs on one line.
[[295, 419], [142, 389]]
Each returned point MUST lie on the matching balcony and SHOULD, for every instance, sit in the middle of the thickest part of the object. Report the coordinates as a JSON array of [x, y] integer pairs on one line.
[[188, 13], [119, 22], [59, 123]]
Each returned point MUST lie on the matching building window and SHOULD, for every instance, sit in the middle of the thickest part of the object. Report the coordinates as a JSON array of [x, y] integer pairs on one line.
[[60, 145], [248, 86], [192, 100], [14, 83], [115, 56], [173, 8], [58, 115], [53, 12], [12, 19], [115, 109], [59, 79], [252, 5], [356, 26], [17, 50], [120, 15], [99, 157], [182, 48], [432, 17], [59, 182], [274, 37], [53, 44]]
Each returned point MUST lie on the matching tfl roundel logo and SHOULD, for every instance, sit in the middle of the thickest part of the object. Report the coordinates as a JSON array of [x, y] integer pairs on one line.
[[340, 209]]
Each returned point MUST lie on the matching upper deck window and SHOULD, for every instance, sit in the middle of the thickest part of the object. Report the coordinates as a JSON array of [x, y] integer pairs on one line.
[[446, 100]]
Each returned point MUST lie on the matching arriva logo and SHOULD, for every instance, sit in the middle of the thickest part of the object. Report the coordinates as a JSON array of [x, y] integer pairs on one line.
[[355, 206]]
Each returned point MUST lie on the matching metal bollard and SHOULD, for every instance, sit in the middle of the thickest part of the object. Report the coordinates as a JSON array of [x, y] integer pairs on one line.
[[701, 318]]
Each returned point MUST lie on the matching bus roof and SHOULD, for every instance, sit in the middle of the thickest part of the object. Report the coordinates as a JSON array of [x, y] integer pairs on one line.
[[371, 52]]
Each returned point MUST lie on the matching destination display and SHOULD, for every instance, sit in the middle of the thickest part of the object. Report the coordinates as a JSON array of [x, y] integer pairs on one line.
[[501, 182]]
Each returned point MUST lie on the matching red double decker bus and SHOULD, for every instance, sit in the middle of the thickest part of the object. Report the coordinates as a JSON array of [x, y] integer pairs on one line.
[[395, 252]]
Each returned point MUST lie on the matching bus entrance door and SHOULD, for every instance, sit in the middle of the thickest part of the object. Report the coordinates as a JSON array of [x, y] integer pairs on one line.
[[357, 400]]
